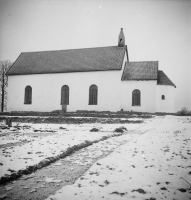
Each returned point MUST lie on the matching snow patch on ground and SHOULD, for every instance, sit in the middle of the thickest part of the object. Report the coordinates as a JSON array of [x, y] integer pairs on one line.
[[153, 165], [32, 146]]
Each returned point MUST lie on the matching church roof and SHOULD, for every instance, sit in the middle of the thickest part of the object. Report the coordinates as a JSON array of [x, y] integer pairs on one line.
[[145, 71], [163, 79], [140, 71], [74, 60]]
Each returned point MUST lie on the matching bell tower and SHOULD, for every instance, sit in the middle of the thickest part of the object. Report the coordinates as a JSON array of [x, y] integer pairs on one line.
[[121, 39]]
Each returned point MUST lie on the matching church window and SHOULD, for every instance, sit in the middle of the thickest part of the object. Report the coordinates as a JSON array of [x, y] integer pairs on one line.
[[28, 95], [93, 92], [65, 95], [163, 97], [136, 98]]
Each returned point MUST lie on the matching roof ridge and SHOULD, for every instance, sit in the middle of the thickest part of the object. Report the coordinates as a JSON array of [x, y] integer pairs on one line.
[[70, 49]]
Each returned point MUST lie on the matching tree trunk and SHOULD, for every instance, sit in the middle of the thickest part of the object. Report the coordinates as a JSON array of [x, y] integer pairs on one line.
[[3, 92], [4, 67]]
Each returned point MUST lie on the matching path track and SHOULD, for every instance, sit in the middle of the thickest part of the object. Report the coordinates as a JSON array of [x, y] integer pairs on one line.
[[48, 180]]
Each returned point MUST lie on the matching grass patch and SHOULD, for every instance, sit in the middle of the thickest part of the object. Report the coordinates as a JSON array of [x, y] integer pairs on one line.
[[94, 130], [120, 129]]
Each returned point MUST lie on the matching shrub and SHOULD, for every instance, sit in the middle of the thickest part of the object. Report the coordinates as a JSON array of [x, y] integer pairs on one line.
[[94, 130], [120, 129], [184, 112]]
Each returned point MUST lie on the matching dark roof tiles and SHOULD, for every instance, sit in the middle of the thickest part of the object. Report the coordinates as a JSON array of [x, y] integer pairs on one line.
[[74, 60], [145, 71], [86, 60], [140, 71], [163, 79]]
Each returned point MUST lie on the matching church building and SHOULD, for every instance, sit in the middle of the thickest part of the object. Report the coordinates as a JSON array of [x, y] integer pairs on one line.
[[92, 79]]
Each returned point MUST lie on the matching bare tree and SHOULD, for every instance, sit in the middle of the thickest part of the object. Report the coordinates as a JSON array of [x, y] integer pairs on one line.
[[4, 67]]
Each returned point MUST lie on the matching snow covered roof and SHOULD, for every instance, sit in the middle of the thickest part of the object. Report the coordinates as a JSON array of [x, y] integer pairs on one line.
[[74, 60], [140, 71], [163, 79]]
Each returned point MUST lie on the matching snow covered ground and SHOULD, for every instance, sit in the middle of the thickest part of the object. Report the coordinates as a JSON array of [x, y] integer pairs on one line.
[[25, 145], [153, 165], [154, 162]]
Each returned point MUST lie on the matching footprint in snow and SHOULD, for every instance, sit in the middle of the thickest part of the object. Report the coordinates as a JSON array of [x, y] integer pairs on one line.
[[106, 182], [140, 190], [182, 189], [163, 188], [119, 193]]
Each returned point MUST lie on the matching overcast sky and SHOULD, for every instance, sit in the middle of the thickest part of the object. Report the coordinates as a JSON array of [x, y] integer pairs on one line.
[[157, 30]]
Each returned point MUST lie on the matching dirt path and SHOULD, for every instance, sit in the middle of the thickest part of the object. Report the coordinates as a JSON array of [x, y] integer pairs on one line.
[[48, 180]]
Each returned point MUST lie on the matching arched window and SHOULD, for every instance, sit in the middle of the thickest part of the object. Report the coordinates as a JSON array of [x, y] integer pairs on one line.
[[163, 97], [65, 95], [136, 98], [28, 95], [93, 92]]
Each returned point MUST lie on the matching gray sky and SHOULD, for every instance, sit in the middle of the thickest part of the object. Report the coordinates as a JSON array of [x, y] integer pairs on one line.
[[157, 30]]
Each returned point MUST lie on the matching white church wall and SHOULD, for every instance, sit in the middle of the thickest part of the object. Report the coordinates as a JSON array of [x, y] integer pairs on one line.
[[148, 95], [167, 104], [46, 91]]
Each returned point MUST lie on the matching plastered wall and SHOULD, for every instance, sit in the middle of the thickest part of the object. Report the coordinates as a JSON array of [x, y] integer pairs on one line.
[[166, 105], [46, 91], [113, 94], [148, 95]]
